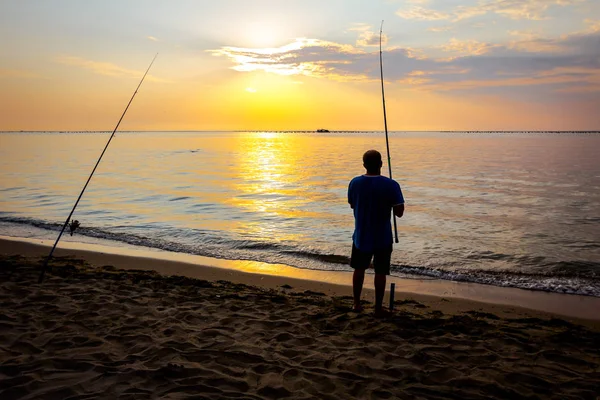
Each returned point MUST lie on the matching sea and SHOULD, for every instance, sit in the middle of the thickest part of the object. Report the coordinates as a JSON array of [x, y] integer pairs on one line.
[[513, 209]]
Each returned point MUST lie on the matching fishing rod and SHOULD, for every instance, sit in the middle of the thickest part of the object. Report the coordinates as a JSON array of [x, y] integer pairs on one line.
[[75, 224], [387, 142]]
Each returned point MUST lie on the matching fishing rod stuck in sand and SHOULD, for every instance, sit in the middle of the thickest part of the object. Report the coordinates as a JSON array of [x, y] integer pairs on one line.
[[387, 142], [74, 224]]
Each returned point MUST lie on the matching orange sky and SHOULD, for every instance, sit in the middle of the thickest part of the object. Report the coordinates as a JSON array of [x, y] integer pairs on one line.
[[272, 66]]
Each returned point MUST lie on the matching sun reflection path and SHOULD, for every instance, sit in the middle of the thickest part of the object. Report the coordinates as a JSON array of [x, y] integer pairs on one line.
[[269, 184]]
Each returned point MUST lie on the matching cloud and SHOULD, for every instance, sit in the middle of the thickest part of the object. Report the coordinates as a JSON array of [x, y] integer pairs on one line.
[[525, 9], [462, 48], [586, 41], [309, 57], [513, 9], [102, 68], [371, 39], [367, 36], [105, 68], [419, 77], [593, 25], [360, 27], [566, 65], [440, 28], [152, 38], [533, 42], [423, 14], [567, 79]]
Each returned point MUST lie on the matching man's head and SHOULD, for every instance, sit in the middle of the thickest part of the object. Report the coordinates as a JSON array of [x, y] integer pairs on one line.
[[372, 162]]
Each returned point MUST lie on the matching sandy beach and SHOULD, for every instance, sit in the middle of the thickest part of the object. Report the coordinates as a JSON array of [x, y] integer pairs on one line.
[[92, 330]]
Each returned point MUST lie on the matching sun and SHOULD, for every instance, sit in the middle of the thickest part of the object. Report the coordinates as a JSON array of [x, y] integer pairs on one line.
[[267, 135], [262, 34]]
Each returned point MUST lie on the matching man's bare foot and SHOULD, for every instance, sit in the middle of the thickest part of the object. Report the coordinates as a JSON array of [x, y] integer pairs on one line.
[[357, 308], [383, 313]]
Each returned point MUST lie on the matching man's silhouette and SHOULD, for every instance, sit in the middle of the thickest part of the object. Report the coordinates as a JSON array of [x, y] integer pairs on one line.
[[372, 197]]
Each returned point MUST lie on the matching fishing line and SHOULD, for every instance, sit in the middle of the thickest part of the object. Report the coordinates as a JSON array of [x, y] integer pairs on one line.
[[74, 224], [387, 142]]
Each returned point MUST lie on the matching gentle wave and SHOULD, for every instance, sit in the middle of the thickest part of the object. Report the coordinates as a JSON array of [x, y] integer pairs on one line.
[[570, 277]]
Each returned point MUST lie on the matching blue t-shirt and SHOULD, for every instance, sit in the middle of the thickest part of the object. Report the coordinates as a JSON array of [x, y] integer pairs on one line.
[[372, 199]]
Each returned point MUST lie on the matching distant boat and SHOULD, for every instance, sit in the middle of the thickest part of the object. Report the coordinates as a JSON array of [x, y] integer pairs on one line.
[[322, 131]]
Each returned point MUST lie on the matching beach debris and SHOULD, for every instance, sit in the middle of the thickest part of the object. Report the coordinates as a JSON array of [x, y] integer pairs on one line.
[[171, 370], [74, 224], [416, 304], [436, 314], [311, 293], [277, 298], [478, 314], [286, 286]]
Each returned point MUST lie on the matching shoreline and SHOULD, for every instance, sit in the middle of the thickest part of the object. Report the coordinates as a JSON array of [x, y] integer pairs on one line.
[[445, 296]]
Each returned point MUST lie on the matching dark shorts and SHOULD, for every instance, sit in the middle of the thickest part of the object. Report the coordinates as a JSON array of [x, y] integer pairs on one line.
[[381, 260]]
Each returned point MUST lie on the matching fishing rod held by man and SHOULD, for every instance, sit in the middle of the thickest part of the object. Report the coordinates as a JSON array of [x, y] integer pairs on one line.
[[387, 141]]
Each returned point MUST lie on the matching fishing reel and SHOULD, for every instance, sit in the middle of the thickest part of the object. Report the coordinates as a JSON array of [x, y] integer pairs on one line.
[[74, 224]]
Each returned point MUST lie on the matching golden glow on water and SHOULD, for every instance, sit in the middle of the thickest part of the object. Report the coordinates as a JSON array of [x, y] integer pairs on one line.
[[263, 168], [270, 174]]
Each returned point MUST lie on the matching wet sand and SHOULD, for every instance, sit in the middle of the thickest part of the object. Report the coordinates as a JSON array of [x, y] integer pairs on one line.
[[94, 331]]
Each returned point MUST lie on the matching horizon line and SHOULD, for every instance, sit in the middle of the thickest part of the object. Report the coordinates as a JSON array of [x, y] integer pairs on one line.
[[310, 131]]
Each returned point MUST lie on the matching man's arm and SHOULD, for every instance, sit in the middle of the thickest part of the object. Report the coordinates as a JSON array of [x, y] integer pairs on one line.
[[397, 200], [399, 210], [350, 194]]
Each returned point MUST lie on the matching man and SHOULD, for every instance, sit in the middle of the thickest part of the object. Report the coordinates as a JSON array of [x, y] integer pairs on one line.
[[372, 197]]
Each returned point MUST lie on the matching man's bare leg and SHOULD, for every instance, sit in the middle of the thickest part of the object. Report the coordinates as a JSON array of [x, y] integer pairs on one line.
[[357, 284], [380, 280]]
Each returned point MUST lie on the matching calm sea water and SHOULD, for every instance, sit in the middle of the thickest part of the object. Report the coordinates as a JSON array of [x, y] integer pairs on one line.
[[508, 209]]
